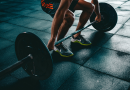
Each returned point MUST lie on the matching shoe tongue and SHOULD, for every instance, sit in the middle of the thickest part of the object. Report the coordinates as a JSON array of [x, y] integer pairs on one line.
[[62, 47], [78, 37]]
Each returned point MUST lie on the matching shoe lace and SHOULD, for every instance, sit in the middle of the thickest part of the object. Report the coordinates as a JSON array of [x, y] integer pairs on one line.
[[81, 36], [64, 47]]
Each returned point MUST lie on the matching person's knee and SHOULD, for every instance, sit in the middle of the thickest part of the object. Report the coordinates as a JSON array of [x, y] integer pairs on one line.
[[91, 8], [69, 19]]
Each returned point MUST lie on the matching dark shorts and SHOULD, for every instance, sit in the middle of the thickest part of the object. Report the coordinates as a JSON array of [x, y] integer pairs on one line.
[[50, 6]]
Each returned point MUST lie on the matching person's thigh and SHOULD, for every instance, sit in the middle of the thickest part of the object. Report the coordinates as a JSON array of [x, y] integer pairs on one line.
[[83, 5], [54, 4], [69, 13]]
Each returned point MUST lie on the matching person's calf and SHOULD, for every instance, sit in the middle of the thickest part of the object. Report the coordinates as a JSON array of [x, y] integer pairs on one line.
[[66, 24], [87, 9]]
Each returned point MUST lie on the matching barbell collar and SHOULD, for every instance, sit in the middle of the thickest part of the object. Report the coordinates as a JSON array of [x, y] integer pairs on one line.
[[15, 66]]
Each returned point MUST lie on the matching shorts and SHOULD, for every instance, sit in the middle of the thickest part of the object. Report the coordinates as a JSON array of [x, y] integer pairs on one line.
[[50, 6]]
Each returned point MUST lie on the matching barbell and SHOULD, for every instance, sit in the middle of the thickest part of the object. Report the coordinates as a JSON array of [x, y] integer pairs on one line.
[[34, 56]]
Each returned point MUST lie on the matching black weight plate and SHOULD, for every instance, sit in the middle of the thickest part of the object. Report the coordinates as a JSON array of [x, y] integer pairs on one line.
[[110, 18], [41, 66]]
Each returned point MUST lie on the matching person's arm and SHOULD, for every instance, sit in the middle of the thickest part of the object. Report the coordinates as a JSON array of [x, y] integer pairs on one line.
[[97, 10]]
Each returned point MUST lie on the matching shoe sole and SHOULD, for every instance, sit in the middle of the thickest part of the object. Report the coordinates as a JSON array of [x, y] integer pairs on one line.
[[81, 43], [64, 55]]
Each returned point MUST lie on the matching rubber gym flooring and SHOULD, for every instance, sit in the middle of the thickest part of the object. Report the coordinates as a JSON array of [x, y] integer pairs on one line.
[[103, 66]]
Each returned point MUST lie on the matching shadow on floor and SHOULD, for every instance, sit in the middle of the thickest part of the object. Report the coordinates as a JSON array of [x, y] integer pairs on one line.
[[23, 84]]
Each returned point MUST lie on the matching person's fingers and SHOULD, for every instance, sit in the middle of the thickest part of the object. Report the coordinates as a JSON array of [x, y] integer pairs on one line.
[[98, 19]]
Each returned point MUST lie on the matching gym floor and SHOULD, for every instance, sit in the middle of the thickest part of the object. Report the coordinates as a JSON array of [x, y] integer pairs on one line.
[[103, 66]]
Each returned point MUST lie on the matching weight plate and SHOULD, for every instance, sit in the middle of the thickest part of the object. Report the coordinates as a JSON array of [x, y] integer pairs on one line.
[[41, 66], [109, 19]]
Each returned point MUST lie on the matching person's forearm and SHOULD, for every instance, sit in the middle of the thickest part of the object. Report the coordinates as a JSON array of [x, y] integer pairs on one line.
[[97, 7]]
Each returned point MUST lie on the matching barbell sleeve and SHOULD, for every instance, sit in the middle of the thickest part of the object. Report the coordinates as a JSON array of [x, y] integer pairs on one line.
[[15, 66]]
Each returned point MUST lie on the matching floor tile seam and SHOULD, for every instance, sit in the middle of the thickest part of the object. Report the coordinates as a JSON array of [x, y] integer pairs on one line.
[[107, 39], [121, 4], [122, 16], [126, 20], [35, 3], [24, 2], [6, 47], [124, 2], [11, 18], [115, 50], [26, 27], [7, 39], [69, 76], [106, 74], [46, 31], [80, 65], [38, 18], [95, 71], [29, 28], [6, 31], [11, 6], [8, 7], [119, 28], [19, 15], [127, 24], [19, 10], [114, 33], [23, 15], [122, 35], [11, 12], [26, 6], [99, 48]]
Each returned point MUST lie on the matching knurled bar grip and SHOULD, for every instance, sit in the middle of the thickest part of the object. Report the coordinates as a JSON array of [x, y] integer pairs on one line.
[[15, 66], [61, 40]]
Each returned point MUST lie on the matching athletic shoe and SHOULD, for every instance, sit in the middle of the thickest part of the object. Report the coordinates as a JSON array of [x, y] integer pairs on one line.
[[81, 40], [63, 51]]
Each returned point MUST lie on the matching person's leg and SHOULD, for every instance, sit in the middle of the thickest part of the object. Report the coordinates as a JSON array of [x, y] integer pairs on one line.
[[87, 9], [66, 24], [57, 21]]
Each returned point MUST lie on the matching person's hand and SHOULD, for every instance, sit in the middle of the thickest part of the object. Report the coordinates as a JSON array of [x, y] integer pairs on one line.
[[98, 18], [50, 44]]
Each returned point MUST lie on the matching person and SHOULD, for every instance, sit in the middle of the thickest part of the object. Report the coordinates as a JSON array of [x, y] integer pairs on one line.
[[62, 12]]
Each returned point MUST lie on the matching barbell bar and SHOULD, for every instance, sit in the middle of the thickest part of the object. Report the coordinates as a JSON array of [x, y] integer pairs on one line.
[[15, 66], [34, 56]]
